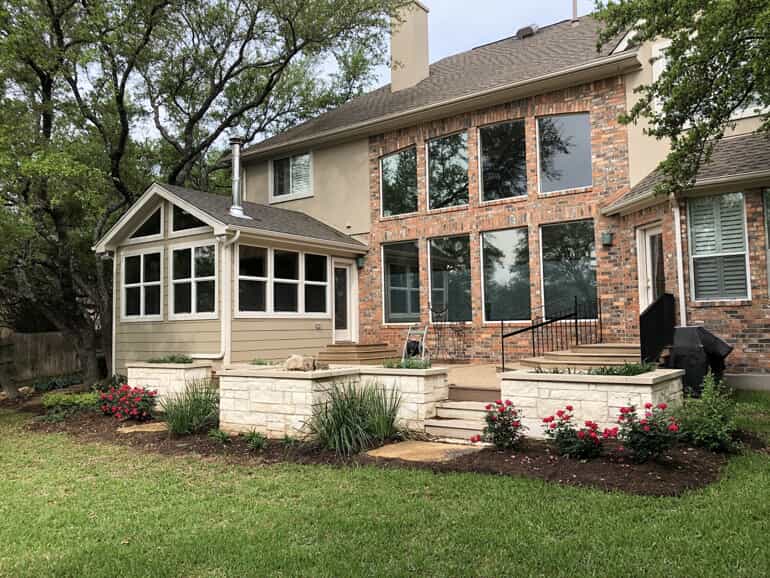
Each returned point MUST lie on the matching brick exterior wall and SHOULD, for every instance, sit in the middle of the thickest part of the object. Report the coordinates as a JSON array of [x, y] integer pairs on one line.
[[605, 101]]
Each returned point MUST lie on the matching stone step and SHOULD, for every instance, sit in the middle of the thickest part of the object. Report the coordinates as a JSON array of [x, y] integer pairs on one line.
[[546, 363], [463, 410], [460, 429], [628, 348], [473, 393], [602, 358]]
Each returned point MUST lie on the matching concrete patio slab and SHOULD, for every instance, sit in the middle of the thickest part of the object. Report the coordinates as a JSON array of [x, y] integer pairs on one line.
[[416, 451]]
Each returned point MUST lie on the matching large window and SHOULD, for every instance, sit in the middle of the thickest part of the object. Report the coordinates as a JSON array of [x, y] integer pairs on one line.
[[274, 281], [193, 279], [718, 247], [569, 267], [401, 265], [450, 278], [398, 174], [503, 160], [564, 146], [142, 286], [505, 256], [448, 171], [292, 177]]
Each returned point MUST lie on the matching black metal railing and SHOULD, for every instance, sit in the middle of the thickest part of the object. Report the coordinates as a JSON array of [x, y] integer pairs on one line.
[[656, 328], [560, 327]]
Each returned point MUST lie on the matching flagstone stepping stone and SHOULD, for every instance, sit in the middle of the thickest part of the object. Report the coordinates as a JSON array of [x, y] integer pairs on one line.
[[150, 427], [417, 451]]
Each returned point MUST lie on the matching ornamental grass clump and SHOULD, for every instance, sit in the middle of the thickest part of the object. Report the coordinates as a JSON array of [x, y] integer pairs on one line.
[[355, 418], [582, 443], [195, 410], [503, 426], [648, 436], [126, 402]]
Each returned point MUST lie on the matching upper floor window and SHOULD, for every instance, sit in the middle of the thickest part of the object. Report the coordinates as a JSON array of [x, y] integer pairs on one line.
[[450, 278], [142, 285], [181, 220], [503, 160], [292, 178], [718, 247], [152, 227], [398, 176], [193, 275], [564, 150], [505, 262], [448, 171]]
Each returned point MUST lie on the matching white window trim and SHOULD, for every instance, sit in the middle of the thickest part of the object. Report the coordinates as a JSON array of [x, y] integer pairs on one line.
[[382, 200], [480, 163], [134, 253], [486, 321], [172, 234], [275, 199], [540, 190], [745, 252], [148, 238], [193, 281], [427, 172], [430, 282], [270, 280]]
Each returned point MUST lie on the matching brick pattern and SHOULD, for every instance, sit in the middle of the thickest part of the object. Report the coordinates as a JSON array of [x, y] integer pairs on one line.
[[605, 101]]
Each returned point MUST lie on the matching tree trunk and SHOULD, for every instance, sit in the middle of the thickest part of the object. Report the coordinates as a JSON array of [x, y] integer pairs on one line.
[[86, 344]]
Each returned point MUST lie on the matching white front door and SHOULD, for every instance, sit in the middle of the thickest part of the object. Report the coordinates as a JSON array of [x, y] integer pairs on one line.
[[345, 310], [651, 262]]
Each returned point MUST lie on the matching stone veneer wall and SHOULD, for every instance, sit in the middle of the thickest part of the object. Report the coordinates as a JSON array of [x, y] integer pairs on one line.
[[166, 378], [279, 403], [595, 397], [605, 101]]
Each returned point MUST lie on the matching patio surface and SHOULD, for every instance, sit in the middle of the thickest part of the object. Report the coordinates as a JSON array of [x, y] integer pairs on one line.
[[477, 375]]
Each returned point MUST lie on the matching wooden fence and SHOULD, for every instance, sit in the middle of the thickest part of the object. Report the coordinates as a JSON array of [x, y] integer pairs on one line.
[[38, 355]]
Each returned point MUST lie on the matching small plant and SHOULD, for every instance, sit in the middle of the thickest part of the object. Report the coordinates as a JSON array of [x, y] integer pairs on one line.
[[408, 363], [355, 418], [60, 406], [219, 436], [503, 425], [627, 369], [289, 441], [116, 380], [126, 402], [171, 358], [59, 382], [555, 370], [582, 443], [255, 441], [709, 422], [262, 362], [649, 436], [195, 410]]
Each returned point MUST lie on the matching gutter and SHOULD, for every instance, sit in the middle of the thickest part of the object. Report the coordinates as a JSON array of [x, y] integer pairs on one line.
[[360, 249], [612, 65]]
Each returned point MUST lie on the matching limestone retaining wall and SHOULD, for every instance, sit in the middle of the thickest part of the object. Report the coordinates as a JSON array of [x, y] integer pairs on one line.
[[166, 378]]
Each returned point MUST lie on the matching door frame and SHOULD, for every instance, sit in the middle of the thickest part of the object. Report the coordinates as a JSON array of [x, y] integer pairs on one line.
[[350, 265], [642, 260]]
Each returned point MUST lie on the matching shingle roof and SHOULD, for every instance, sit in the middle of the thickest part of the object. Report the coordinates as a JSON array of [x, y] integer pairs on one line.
[[733, 157], [263, 217], [552, 49]]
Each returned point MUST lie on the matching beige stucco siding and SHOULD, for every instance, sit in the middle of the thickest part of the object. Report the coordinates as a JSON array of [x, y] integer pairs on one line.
[[340, 187], [276, 339]]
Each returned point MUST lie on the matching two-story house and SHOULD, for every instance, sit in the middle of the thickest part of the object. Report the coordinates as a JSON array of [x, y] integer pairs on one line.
[[471, 195]]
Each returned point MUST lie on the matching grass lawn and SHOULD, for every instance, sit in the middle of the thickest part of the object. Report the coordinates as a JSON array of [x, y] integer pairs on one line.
[[68, 509]]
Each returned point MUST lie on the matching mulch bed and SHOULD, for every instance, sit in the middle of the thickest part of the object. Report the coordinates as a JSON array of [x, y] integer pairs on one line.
[[680, 470]]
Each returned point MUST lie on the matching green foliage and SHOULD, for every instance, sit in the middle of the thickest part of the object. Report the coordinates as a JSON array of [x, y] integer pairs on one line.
[[626, 370], [256, 441], [289, 441], [582, 443], [717, 66], [116, 380], [650, 435], [59, 405], [503, 425], [408, 363], [171, 358], [710, 420], [355, 418], [219, 436], [59, 382], [262, 362], [195, 410]]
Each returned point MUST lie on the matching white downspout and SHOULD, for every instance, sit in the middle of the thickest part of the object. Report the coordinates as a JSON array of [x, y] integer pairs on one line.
[[226, 314], [679, 263]]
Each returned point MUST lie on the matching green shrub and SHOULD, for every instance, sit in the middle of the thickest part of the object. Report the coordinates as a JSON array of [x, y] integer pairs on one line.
[[582, 443], [220, 436], [59, 406], [58, 382], [116, 380], [289, 441], [355, 418], [408, 363], [262, 362], [649, 436], [256, 441], [503, 425], [194, 410], [172, 358], [626, 370], [709, 422]]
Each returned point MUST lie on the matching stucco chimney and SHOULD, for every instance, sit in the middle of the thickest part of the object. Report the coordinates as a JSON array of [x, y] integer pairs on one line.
[[409, 58], [236, 210]]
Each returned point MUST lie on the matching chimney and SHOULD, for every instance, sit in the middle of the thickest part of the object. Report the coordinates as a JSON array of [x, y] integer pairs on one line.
[[409, 59], [236, 210]]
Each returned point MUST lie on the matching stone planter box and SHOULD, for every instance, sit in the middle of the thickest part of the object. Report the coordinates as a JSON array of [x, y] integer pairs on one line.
[[595, 397], [280, 403], [166, 378]]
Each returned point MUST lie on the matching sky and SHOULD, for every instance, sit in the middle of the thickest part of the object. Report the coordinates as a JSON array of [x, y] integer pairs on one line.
[[453, 26]]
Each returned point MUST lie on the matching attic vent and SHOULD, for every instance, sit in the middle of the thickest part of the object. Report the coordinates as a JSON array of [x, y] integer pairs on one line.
[[526, 32]]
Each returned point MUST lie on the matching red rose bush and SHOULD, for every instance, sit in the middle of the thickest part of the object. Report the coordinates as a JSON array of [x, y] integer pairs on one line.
[[126, 402], [582, 443], [649, 435], [503, 425]]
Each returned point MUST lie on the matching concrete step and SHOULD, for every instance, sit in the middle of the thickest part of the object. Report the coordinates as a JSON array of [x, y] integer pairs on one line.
[[460, 429], [546, 363], [473, 393], [602, 358], [463, 410], [628, 348]]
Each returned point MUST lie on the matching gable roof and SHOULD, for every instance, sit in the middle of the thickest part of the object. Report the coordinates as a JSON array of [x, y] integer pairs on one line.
[[738, 159], [498, 65], [214, 210]]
